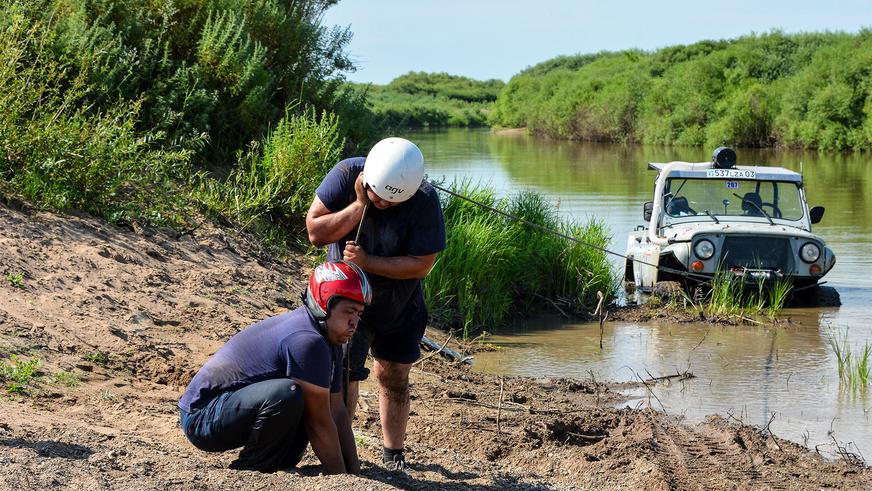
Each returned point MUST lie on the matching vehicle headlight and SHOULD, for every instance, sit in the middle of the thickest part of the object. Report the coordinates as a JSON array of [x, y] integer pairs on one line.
[[810, 252], [704, 249]]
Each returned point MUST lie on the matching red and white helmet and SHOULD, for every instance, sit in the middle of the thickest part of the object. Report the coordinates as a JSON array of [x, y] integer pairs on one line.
[[334, 280]]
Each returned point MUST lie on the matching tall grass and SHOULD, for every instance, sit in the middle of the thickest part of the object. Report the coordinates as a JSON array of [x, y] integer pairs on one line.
[[493, 267], [854, 368], [272, 188], [728, 296], [18, 374], [79, 131]]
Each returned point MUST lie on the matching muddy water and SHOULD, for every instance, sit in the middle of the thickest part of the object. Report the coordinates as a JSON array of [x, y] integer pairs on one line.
[[750, 373]]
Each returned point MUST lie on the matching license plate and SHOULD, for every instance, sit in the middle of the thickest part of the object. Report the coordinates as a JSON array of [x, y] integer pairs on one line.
[[730, 174]]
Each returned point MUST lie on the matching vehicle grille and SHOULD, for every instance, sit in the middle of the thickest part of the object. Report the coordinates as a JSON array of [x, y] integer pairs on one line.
[[772, 253]]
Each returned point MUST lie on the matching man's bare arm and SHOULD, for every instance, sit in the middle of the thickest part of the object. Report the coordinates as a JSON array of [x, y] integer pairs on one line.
[[346, 435], [396, 267], [321, 428], [325, 226]]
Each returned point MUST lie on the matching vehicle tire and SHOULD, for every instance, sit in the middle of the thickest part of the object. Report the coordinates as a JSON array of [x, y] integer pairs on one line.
[[819, 296], [668, 290], [827, 296]]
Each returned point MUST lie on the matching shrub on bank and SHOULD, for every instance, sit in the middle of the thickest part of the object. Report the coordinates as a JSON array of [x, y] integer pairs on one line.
[[494, 267], [419, 99], [270, 191], [59, 151], [120, 108], [801, 90]]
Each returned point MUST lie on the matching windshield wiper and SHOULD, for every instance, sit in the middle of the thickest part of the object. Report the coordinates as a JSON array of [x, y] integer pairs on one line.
[[756, 206], [713, 217]]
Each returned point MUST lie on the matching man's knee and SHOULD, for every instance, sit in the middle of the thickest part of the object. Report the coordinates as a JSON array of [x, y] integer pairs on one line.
[[393, 377], [282, 396]]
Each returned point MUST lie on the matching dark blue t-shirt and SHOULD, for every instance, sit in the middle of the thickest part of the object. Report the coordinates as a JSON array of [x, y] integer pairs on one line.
[[414, 227], [284, 346]]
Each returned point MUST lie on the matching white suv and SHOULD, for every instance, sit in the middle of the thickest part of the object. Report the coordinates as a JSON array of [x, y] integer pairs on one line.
[[750, 220]]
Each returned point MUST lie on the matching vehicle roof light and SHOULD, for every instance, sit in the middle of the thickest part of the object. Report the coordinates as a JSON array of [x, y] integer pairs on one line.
[[724, 158]]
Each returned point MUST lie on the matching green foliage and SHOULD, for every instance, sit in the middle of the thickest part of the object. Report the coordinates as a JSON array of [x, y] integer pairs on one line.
[[494, 267], [67, 379], [802, 90], [275, 182], [109, 104], [855, 371], [18, 374], [728, 295], [448, 86], [225, 69], [97, 358], [16, 280], [61, 151], [419, 99]]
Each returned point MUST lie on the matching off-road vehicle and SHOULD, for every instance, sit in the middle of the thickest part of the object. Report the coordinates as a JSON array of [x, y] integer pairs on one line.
[[751, 221]]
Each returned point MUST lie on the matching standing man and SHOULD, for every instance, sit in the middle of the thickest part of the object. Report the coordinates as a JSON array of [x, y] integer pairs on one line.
[[276, 385], [401, 233]]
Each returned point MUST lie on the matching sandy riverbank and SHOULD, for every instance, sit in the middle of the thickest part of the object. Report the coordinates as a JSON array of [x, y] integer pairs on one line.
[[132, 315]]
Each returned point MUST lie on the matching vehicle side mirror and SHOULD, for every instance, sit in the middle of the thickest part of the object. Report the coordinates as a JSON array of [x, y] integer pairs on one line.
[[647, 209], [816, 214]]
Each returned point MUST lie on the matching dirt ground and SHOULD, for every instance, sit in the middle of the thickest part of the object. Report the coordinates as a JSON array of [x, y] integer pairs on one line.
[[133, 314]]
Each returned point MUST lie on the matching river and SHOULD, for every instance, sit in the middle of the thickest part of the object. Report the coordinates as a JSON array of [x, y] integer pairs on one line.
[[784, 378]]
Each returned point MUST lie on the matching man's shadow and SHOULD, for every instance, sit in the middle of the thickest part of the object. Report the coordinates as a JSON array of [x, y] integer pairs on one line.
[[454, 480], [50, 449]]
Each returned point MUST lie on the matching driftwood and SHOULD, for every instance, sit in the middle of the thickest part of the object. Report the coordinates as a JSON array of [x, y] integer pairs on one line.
[[685, 375], [444, 351]]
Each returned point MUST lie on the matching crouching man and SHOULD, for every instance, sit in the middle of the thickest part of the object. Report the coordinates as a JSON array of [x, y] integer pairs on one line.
[[277, 385]]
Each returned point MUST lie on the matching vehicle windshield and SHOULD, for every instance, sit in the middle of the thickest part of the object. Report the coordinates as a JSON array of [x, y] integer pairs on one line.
[[690, 197]]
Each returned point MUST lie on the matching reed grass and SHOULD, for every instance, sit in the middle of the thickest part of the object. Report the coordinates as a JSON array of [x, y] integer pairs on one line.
[[729, 296], [855, 371], [494, 267]]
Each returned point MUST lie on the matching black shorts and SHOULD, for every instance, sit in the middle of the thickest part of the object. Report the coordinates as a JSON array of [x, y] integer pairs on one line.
[[399, 344]]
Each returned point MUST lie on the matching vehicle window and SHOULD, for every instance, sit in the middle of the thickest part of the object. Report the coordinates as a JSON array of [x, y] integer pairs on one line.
[[689, 197]]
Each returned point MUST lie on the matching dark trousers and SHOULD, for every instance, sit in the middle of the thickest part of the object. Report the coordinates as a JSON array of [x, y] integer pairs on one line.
[[264, 418]]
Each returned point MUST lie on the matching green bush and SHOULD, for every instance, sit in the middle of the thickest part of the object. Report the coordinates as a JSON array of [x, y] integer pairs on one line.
[[494, 267], [120, 109], [58, 150], [224, 68], [802, 90], [18, 374], [275, 182], [419, 99]]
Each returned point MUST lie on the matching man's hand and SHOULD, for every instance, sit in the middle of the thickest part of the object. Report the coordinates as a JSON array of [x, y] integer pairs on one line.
[[355, 254], [360, 190]]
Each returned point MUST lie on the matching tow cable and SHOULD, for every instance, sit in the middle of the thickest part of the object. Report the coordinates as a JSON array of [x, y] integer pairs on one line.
[[558, 233]]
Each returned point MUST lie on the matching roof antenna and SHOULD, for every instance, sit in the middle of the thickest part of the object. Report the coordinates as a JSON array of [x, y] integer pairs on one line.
[[800, 167]]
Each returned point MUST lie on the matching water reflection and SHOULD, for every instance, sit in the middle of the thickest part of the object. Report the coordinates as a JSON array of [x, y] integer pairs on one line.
[[747, 372]]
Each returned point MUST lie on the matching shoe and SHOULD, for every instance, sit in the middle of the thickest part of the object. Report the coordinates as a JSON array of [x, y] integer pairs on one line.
[[398, 463]]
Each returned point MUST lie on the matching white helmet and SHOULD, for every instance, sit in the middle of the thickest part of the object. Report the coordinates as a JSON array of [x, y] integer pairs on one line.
[[394, 169]]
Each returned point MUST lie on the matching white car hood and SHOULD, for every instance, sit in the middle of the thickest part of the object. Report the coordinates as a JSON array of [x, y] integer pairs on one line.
[[685, 231]]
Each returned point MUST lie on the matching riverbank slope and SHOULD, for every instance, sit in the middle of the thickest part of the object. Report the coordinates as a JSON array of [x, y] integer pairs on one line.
[[120, 321]]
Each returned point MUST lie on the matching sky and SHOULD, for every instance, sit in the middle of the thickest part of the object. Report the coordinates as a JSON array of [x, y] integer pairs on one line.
[[485, 39]]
